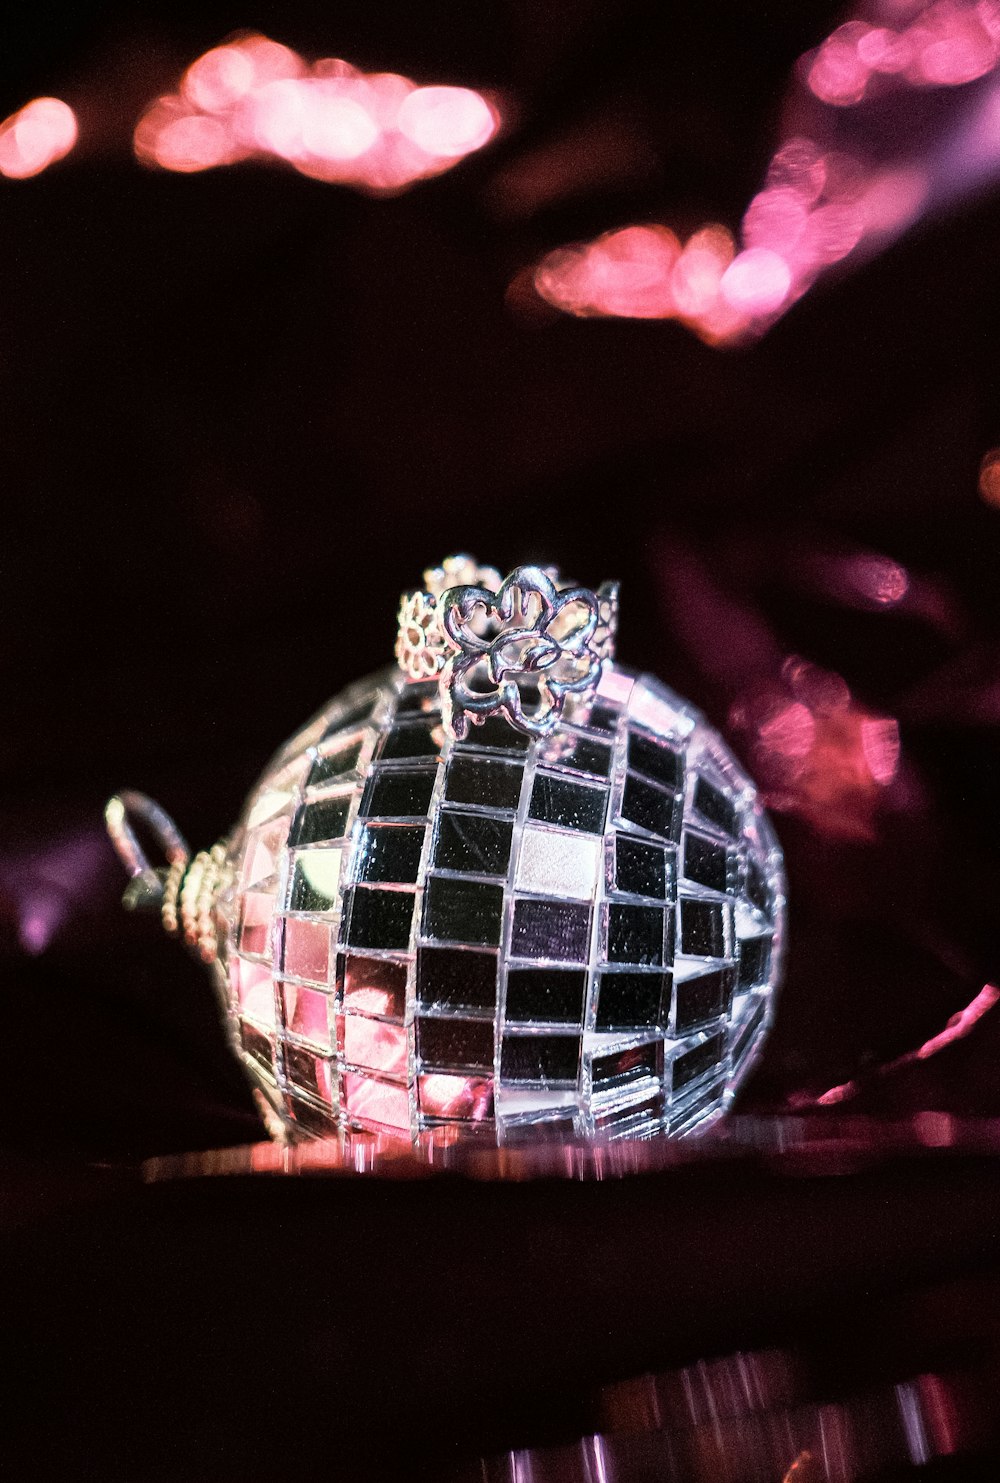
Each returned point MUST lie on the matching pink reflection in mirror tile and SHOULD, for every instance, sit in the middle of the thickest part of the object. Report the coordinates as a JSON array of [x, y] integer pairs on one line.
[[306, 1013], [310, 1072], [374, 985], [255, 926], [307, 949], [264, 847], [376, 1101], [374, 1044], [456, 1096], [253, 990]]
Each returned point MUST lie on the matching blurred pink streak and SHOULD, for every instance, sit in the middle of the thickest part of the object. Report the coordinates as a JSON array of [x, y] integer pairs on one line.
[[830, 190], [958, 1027], [960, 1024], [252, 98], [40, 133]]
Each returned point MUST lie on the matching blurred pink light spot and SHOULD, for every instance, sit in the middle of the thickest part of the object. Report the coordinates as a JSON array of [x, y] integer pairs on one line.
[[641, 272], [989, 477], [219, 78], [964, 53], [988, 15], [776, 218], [301, 119], [884, 50], [791, 732], [276, 119], [185, 144], [699, 269], [798, 166], [837, 1094], [820, 200], [252, 97], [626, 273], [226, 74], [40, 920], [757, 281], [837, 75], [449, 122], [40, 133], [34, 933], [818, 754], [830, 234], [879, 578], [385, 93], [337, 127], [880, 746], [935, 1129], [821, 690], [893, 200]]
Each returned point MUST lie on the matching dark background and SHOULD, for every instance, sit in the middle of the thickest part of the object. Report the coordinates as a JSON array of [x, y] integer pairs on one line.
[[242, 410]]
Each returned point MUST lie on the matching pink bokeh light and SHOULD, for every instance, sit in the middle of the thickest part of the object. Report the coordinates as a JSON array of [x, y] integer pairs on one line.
[[756, 282], [947, 43], [879, 579], [626, 273], [446, 122], [989, 477], [252, 98], [817, 751], [643, 272], [790, 731], [836, 73], [830, 192], [42, 914], [865, 580], [33, 138]]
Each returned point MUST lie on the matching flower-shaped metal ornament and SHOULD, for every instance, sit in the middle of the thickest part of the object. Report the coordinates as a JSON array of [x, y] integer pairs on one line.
[[419, 639], [535, 647]]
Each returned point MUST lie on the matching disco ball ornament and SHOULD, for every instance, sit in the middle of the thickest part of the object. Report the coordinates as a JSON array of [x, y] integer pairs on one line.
[[505, 886]]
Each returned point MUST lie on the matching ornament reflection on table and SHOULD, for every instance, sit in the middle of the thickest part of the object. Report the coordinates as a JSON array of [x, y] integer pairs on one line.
[[506, 887]]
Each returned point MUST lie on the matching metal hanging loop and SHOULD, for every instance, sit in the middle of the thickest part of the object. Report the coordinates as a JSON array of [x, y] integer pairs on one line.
[[184, 890], [156, 819], [145, 890]]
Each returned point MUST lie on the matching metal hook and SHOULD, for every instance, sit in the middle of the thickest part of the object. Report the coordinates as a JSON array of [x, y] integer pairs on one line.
[[146, 886]]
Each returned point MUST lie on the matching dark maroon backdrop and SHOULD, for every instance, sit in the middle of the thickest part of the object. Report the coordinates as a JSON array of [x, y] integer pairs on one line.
[[240, 412]]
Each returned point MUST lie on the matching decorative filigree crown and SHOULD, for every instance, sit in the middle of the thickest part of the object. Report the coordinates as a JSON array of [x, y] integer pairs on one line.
[[514, 647]]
